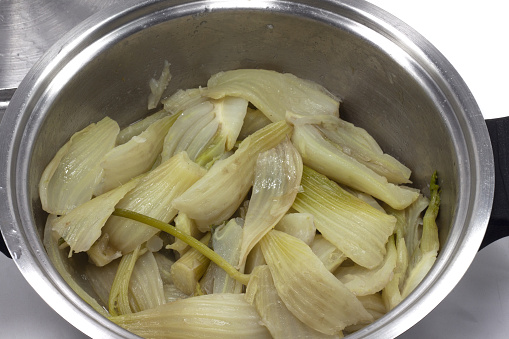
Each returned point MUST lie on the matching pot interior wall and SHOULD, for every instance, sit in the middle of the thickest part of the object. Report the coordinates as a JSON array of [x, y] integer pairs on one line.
[[375, 79]]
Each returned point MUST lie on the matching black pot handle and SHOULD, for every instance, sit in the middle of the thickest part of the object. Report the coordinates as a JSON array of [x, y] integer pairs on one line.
[[498, 226], [3, 248]]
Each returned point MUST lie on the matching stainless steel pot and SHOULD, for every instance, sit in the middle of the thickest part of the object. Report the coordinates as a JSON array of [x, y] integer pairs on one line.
[[392, 82]]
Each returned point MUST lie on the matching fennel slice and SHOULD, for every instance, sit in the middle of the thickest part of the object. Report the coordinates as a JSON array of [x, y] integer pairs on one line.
[[157, 87], [135, 157], [273, 93], [226, 316], [278, 173], [261, 293], [81, 227], [298, 274], [357, 229], [362, 281], [325, 157], [72, 175]]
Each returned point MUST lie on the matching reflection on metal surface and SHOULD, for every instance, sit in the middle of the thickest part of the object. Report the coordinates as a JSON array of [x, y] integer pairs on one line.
[[29, 27]]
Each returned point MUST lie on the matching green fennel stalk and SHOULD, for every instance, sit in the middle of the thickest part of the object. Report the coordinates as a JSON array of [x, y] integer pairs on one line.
[[194, 243]]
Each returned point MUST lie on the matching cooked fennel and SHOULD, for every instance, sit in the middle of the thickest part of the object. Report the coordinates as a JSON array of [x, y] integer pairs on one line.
[[278, 173], [138, 127], [81, 227], [362, 281], [134, 157], [187, 271], [298, 274], [357, 143], [425, 255], [329, 254], [213, 144], [208, 316], [59, 259], [273, 93], [71, 177], [157, 87], [186, 225], [327, 158], [357, 229], [261, 293]]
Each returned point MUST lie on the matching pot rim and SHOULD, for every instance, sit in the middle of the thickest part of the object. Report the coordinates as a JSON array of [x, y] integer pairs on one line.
[[456, 256]]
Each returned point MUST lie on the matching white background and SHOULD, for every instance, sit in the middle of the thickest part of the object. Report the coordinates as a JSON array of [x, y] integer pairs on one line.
[[473, 36]]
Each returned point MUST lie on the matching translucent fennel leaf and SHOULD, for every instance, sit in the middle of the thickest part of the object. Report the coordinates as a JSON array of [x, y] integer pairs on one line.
[[357, 143], [357, 229], [300, 225], [409, 222], [273, 93], [135, 157], [298, 274], [71, 177], [81, 227], [261, 293], [65, 268], [362, 281], [215, 197], [425, 255], [208, 316], [278, 172], [138, 127], [153, 196], [324, 156], [157, 87]]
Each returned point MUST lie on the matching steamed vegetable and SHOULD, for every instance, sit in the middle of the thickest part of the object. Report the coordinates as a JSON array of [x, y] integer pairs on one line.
[[425, 255], [81, 227], [298, 274], [261, 293], [362, 281], [208, 316], [330, 159], [226, 241], [187, 271], [135, 157], [273, 93], [278, 172], [157, 87], [59, 260], [357, 229], [71, 177]]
